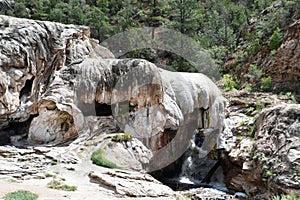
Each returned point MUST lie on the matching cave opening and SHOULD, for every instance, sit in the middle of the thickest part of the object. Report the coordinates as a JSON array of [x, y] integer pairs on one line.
[[95, 109], [15, 133], [103, 109], [26, 90]]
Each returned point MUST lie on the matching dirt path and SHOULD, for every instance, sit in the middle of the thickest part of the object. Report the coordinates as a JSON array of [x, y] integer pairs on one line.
[[86, 190]]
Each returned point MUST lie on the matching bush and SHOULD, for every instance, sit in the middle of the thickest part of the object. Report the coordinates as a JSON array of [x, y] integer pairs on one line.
[[266, 83], [229, 83], [21, 195], [57, 185], [275, 39], [254, 46], [99, 159], [286, 197], [127, 136]]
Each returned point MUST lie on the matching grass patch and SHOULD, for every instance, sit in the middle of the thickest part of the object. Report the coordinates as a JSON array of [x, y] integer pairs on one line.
[[21, 195], [53, 163], [48, 175], [126, 137], [99, 159], [57, 185], [286, 197]]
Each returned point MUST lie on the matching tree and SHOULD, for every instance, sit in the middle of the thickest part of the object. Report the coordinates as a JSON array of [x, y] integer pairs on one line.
[[186, 16], [99, 23]]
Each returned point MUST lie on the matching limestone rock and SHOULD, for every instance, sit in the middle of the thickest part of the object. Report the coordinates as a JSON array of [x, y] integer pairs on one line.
[[131, 155], [54, 78], [133, 184], [30, 53]]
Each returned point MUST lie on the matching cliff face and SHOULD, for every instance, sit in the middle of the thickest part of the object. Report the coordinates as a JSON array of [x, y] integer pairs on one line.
[[284, 65], [273, 51]]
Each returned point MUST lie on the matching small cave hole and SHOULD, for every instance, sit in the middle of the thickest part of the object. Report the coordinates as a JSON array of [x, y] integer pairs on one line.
[[26, 90], [103, 109]]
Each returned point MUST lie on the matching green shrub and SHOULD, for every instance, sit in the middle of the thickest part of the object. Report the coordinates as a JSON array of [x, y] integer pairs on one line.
[[292, 97], [99, 159], [275, 39], [286, 197], [254, 46], [21, 195], [229, 83], [266, 83], [57, 185], [251, 131], [127, 136], [254, 72]]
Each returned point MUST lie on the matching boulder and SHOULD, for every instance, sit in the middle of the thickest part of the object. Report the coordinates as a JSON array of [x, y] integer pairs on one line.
[[133, 184]]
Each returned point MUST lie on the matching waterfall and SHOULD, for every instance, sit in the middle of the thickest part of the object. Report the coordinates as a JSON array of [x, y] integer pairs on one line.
[[198, 168]]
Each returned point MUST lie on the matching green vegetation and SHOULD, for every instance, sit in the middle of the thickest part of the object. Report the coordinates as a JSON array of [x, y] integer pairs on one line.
[[223, 27], [53, 163], [120, 137], [292, 97], [98, 158], [21, 195], [48, 175], [286, 197], [229, 83], [251, 132], [266, 83], [58, 185], [275, 39]]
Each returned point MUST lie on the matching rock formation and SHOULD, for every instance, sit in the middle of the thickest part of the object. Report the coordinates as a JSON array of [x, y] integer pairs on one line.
[[265, 158], [55, 80]]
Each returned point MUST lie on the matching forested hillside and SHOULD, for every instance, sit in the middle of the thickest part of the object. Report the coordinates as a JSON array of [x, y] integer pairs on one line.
[[241, 36]]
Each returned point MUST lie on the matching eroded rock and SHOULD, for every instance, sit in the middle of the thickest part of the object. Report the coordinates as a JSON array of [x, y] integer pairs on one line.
[[133, 184]]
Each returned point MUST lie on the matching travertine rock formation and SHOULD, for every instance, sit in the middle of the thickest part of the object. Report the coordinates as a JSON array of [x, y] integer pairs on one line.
[[30, 53], [54, 77]]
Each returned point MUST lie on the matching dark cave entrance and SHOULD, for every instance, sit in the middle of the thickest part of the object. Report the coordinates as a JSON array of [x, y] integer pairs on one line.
[[26, 90], [95, 109], [17, 130], [103, 109]]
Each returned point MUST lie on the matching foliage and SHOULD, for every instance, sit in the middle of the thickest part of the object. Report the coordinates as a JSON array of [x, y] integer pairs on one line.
[[286, 197], [275, 39], [127, 136], [254, 74], [58, 185], [223, 27], [21, 194], [98, 158], [229, 83], [266, 83], [292, 97], [251, 132]]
